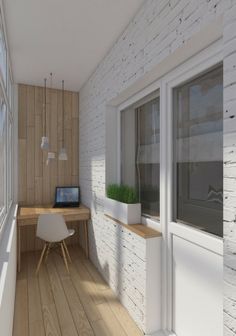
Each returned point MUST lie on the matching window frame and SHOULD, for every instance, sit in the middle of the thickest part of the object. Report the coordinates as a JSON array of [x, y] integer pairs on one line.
[[4, 71], [199, 56], [200, 63], [5, 168], [207, 63], [133, 102], [10, 158], [7, 91], [194, 203], [10, 88], [148, 98], [193, 67]]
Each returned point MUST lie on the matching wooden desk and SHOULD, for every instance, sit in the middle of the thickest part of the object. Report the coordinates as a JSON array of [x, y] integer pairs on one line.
[[28, 215]]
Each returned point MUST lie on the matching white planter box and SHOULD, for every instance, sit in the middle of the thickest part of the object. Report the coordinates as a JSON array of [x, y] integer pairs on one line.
[[125, 213]]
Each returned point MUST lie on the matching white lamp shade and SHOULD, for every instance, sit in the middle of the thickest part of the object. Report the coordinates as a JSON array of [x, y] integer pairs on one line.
[[51, 156], [45, 143], [62, 155]]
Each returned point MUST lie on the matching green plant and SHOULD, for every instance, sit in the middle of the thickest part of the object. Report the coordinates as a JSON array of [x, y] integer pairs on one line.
[[122, 193]]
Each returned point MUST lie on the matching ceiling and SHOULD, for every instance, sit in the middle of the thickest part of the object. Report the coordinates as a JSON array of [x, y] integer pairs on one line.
[[66, 37]]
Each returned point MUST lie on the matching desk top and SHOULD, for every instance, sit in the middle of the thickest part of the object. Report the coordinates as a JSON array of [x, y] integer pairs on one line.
[[32, 212]]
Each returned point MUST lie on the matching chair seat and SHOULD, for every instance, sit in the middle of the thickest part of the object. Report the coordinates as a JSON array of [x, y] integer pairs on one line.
[[52, 229]]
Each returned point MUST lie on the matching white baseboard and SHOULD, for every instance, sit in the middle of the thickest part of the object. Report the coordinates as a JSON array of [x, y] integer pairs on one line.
[[161, 333], [158, 333]]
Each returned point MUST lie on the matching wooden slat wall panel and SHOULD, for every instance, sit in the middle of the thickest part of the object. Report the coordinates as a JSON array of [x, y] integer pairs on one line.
[[75, 139], [39, 190], [22, 110], [30, 106], [22, 193], [37, 181], [38, 157], [30, 165]]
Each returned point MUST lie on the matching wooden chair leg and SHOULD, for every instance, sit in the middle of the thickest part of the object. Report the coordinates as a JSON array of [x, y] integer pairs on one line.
[[64, 257], [47, 252], [41, 258], [67, 252]]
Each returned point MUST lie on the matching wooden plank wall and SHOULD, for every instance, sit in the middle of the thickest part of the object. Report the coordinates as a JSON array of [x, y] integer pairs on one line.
[[37, 181]]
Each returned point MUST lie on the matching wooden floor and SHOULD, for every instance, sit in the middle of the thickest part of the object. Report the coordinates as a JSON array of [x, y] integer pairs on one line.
[[55, 303]]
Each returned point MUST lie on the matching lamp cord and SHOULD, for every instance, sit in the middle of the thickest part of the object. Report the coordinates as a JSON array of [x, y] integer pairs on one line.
[[63, 113], [45, 106]]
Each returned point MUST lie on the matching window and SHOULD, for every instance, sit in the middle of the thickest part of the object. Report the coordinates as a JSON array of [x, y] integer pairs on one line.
[[3, 54], [3, 160], [198, 152], [6, 129], [10, 162], [9, 88], [140, 147]]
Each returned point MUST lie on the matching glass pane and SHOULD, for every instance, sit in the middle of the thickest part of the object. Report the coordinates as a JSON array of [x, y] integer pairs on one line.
[[147, 158], [9, 91], [140, 148], [10, 168], [3, 55], [2, 157], [198, 151]]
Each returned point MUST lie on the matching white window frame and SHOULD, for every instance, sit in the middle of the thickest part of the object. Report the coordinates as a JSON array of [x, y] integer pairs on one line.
[[5, 208], [10, 87], [4, 70], [7, 89], [198, 64], [9, 161], [154, 223], [193, 67]]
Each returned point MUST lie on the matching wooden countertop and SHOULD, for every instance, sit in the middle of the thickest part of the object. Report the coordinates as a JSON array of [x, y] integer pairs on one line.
[[28, 215], [28, 211], [139, 229]]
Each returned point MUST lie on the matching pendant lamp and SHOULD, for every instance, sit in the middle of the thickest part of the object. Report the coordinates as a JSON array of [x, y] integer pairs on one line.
[[51, 155], [45, 141], [63, 154]]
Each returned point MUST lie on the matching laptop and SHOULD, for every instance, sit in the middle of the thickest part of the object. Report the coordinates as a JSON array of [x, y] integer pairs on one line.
[[67, 197]]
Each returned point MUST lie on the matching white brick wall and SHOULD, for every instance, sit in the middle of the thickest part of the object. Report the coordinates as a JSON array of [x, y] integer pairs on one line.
[[230, 170], [159, 28]]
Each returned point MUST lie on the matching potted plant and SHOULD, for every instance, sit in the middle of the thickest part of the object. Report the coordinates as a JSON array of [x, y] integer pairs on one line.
[[122, 204]]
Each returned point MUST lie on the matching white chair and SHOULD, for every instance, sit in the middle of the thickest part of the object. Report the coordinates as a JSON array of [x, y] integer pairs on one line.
[[53, 230]]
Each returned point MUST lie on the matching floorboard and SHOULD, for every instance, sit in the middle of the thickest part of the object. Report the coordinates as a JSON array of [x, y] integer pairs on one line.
[[36, 325], [56, 303], [50, 317]]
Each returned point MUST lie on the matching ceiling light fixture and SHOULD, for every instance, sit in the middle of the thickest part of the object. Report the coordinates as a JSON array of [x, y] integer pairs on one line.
[[45, 141], [51, 155]]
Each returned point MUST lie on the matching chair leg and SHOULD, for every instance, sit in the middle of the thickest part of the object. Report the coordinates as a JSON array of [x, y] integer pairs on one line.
[[64, 257], [41, 258], [47, 252], [66, 250]]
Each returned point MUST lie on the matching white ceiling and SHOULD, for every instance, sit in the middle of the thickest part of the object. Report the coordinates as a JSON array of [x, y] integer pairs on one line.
[[66, 37]]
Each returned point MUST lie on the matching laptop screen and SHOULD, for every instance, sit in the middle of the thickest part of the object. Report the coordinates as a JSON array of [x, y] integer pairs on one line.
[[67, 195]]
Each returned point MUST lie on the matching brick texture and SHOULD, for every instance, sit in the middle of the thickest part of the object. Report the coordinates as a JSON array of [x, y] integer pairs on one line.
[[158, 29], [230, 170]]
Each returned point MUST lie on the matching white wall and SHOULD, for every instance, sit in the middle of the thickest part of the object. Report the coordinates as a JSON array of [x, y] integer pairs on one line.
[[230, 171], [160, 28]]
